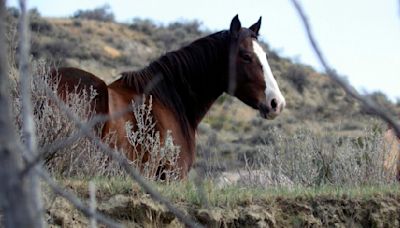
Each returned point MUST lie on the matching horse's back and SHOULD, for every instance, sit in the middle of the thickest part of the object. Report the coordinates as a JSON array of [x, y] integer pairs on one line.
[[72, 80]]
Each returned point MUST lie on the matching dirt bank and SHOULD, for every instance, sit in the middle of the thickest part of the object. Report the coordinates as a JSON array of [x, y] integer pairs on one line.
[[342, 211]]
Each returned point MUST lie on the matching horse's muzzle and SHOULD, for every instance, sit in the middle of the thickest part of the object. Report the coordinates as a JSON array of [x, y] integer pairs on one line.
[[265, 112], [272, 110]]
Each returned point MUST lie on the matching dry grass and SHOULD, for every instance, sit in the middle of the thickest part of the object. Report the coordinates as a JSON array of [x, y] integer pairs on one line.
[[309, 160]]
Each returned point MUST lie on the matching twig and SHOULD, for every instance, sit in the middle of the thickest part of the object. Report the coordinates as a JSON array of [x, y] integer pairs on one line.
[[367, 103], [16, 199], [92, 194], [28, 126], [119, 157]]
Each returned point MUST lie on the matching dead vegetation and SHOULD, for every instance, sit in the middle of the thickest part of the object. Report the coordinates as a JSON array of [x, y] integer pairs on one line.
[[147, 142]]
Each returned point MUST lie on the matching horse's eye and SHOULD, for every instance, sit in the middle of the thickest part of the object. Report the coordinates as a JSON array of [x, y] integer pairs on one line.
[[246, 57]]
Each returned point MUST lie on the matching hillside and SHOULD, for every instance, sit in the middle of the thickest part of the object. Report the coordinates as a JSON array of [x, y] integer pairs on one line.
[[107, 48], [321, 163]]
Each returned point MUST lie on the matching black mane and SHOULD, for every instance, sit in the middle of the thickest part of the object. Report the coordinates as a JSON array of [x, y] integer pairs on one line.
[[177, 78]]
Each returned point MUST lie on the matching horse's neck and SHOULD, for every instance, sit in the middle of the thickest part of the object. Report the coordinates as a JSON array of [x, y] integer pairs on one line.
[[192, 78], [204, 85]]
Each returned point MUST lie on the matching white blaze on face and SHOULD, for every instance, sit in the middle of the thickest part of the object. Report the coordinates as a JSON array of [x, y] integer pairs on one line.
[[272, 89]]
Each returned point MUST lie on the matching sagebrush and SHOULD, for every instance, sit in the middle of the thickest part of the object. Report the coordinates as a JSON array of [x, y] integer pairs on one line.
[[156, 159], [310, 160], [83, 158]]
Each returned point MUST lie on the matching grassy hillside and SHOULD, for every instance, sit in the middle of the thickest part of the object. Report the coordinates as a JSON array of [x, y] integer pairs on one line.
[[106, 48], [318, 164]]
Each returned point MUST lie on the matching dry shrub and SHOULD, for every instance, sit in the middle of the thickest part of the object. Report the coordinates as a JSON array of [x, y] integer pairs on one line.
[[80, 159], [310, 160], [83, 159], [157, 160], [210, 152], [298, 76]]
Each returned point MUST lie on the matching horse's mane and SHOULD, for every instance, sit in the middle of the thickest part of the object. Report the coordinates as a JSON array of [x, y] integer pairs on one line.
[[171, 78]]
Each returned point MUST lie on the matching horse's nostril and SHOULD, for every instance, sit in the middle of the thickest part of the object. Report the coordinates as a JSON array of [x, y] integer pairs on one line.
[[274, 104]]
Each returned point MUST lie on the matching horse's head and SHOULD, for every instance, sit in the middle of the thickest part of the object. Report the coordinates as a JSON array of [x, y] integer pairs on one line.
[[254, 84]]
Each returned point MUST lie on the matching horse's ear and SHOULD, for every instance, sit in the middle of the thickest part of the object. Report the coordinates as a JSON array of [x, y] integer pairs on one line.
[[235, 26], [256, 27]]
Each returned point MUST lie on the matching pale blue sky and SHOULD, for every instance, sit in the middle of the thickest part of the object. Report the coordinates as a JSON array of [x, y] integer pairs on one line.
[[360, 38]]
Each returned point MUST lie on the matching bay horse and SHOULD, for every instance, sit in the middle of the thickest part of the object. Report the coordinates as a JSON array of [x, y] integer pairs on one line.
[[191, 79], [73, 80], [186, 82]]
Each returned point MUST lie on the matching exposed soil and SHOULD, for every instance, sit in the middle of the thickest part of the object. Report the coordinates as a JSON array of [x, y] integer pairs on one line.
[[321, 211]]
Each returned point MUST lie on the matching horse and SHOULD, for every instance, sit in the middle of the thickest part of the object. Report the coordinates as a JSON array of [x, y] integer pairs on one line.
[[74, 80], [183, 85]]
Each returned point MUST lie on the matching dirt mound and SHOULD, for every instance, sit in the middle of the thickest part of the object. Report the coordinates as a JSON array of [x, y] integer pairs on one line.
[[322, 211]]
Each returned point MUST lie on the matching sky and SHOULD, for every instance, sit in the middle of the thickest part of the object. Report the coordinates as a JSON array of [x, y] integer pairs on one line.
[[360, 38]]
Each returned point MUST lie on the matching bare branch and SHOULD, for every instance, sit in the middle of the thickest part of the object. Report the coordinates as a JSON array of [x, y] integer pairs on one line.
[[16, 200], [92, 194], [119, 157], [367, 103], [74, 200], [28, 126]]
